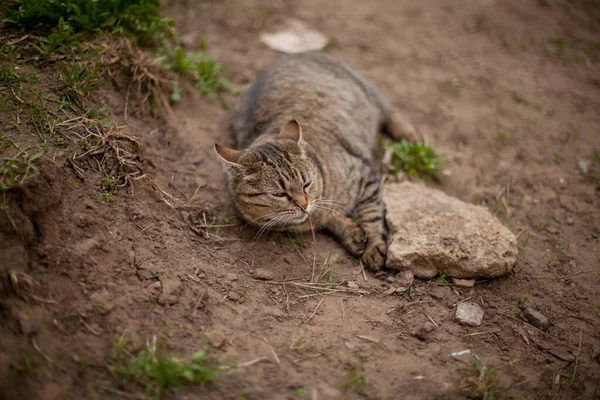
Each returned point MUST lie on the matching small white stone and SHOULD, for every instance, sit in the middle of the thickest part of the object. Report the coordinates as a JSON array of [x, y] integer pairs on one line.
[[468, 313]]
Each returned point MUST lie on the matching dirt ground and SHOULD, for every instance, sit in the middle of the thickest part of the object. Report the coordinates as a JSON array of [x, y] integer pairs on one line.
[[509, 90]]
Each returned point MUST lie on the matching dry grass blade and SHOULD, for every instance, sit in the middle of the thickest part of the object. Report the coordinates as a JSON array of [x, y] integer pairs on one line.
[[314, 312], [312, 229]]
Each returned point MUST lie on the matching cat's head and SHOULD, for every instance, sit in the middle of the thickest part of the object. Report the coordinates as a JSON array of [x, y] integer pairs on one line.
[[273, 183]]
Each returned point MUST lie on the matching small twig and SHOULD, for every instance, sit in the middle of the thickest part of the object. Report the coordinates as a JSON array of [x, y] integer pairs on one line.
[[564, 276], [331, 294], [343, 313], [312, 228], [280, 282], [117, 392], [92, 330], [483, 333], [314, 312], [557, 340], [431, 319], [409, 304], [198, 302], [273, 352], [300, 253], [208, 226], [46, 357], [362, 269], [287, 298], [577, 356], [462, 301], [242, 365]]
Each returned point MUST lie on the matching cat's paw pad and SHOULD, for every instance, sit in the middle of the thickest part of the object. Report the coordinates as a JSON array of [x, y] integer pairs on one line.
[[374, 256], [354, 240]]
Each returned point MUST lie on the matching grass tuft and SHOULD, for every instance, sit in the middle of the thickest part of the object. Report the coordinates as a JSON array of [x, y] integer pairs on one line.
[[15, 172], [78, 81], [156, 371], [139, 20], [206, 72], [416, 159]]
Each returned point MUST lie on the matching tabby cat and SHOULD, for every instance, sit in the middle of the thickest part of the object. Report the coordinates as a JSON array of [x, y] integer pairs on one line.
[[306, 131]]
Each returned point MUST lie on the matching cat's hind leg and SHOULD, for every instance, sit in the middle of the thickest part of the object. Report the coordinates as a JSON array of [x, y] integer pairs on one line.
[[398, 128]]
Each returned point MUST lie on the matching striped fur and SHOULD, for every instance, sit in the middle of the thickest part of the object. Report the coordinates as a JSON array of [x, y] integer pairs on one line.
[[322, 166]]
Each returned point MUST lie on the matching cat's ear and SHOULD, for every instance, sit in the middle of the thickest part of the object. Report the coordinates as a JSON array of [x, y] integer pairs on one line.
[[292, 131], [228, 155]]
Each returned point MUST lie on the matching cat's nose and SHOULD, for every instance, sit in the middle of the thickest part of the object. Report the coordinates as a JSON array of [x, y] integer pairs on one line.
[[302, 202]]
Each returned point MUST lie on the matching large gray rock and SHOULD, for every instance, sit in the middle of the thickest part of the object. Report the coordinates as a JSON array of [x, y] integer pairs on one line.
[[431, 233]]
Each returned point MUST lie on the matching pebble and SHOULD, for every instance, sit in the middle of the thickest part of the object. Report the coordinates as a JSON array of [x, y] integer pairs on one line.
[[352, 285], [438, 292], [215, 338], [405, 278], [232, 276], [583, 166], [468, 313], [263, 274], [171, 285], [234, 296], [422, 331], [570, 221], [463, 282], [536, 318], [155, 286]]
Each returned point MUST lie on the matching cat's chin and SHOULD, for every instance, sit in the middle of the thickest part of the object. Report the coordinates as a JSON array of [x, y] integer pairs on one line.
[[298, 219]]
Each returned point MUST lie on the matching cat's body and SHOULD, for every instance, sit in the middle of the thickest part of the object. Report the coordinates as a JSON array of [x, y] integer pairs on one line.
[[323, 165]]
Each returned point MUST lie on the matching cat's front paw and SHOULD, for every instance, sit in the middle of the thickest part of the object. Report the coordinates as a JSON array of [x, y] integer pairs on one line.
[[354, 240], [374, 256]]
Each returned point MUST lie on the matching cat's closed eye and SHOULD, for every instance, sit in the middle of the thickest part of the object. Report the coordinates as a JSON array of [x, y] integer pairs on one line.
[[307, 185], [282, 194]]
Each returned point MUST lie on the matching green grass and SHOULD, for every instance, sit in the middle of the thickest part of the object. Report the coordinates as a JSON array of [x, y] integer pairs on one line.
[[78, 81], [523, 301], [206, 72], [139, 20], [416, 159], [14, 172], [154, 371], [354, 382]]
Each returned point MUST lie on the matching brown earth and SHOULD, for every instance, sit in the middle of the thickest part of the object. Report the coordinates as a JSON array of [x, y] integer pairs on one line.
[[508, 89]]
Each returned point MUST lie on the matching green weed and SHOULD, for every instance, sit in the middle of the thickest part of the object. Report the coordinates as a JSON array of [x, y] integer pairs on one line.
[[523, 302], [139, 20], [9, 78], [56, 41], [25, 366], [441, 278], [157, 372], [558, 158], [15, 172], [559, 44], [78, 81], [355, 382], [206, 72], [416, 159]]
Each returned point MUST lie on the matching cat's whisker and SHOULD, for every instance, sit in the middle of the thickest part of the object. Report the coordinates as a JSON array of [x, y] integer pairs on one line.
[[266, 227], [279, 219], [329, 209], [330, 203], [329, 200]]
